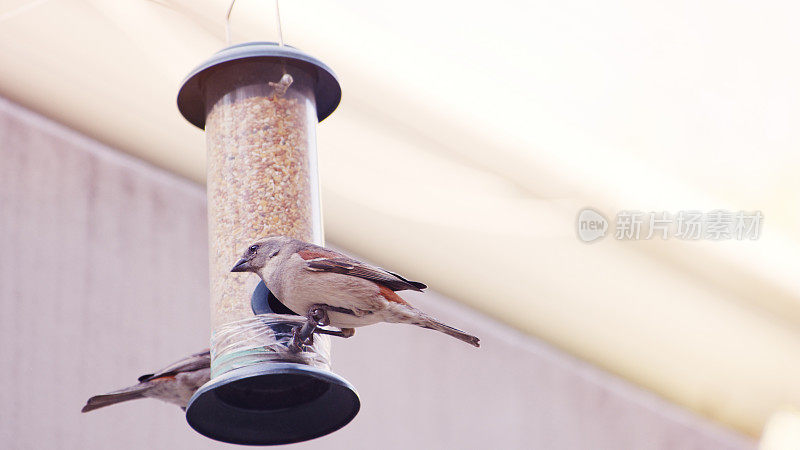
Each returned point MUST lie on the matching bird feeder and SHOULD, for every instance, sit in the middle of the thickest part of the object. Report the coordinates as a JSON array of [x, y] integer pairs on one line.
[[259, 104]]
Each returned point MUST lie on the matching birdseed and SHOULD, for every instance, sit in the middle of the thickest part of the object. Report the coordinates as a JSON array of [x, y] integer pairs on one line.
[[261, 181]]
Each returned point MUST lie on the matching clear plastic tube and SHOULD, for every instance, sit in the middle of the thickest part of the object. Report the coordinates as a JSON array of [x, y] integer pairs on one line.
[[262, 180], [261, 338]]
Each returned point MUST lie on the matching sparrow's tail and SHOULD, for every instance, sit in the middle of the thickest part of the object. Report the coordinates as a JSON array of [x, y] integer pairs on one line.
[[434, 324], [405, 313], [112, 398]]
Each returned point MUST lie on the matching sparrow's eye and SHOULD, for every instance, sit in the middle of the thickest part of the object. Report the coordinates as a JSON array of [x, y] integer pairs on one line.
[[253, 249]]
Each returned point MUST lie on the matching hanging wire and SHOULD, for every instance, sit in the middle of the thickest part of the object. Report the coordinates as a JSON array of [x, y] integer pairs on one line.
[[277, 21], [228, 24]]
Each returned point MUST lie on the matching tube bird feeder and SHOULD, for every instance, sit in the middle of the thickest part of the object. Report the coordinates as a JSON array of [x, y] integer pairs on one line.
[[259, 104]]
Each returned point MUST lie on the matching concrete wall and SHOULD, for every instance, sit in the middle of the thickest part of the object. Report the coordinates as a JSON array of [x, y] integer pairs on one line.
[[103, 277]]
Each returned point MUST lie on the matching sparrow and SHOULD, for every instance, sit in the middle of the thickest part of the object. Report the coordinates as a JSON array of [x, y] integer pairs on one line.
[[331, 288], [175, 384]]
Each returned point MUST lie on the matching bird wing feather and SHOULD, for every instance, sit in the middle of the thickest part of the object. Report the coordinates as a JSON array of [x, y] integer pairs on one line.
[[197, 361], [319, 259]]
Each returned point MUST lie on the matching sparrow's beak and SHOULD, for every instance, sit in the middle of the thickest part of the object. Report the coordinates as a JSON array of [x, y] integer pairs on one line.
[[242, 265]]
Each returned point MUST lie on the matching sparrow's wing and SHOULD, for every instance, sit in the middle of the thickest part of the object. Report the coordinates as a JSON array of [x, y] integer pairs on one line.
[[319, 259], [191, 363]]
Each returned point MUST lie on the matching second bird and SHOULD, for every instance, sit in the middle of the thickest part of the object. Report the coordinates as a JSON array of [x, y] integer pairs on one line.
[[335, 289]]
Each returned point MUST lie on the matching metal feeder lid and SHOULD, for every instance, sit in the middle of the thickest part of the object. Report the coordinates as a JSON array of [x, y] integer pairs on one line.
[[191, 98]]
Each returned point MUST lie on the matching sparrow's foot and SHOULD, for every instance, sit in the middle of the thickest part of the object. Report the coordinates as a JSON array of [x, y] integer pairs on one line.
[[329, 308], [343, 333], [319, 315], [348, 332], [303, 335]]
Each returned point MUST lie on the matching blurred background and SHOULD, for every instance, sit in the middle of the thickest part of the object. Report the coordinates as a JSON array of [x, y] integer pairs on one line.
[[469, 137]]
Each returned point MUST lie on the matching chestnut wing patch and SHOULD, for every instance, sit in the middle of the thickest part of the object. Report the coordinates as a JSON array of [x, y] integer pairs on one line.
[[194, 362], [326, 261]]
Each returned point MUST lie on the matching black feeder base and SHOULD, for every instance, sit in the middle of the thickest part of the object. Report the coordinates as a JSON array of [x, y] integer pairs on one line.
[[272, 403]]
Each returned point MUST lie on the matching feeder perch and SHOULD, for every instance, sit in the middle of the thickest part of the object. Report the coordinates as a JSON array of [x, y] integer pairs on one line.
[[259, 104]]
